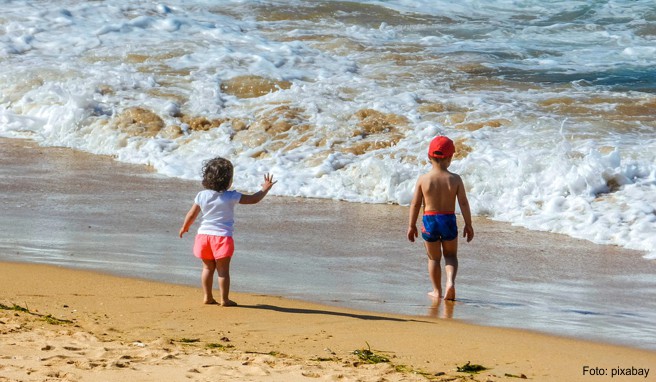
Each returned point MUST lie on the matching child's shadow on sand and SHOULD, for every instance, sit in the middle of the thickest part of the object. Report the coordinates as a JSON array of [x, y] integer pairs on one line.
[[327, 312]]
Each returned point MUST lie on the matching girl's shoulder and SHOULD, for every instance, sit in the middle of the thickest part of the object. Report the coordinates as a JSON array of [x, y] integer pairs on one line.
[[206, 193], [211, 194], [231, 194], [203, 196]]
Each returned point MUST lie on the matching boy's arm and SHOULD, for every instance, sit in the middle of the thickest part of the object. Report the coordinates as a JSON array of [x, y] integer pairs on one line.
[[468, 231], [256, 197], [190, 218], [415, 206]]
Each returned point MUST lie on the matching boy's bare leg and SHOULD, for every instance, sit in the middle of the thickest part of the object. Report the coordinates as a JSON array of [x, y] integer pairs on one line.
[[434, 253], [223, 269], [450, 268], [206, 277]]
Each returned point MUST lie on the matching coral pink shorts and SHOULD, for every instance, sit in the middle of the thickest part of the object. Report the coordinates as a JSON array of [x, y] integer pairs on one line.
[[211, 247]]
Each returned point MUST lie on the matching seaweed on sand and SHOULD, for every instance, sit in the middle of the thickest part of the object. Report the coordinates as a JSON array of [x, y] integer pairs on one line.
[[55, 321], [367, 356], [47, 318], [189, 340], [15, 307], [214, 345], [469, 368]]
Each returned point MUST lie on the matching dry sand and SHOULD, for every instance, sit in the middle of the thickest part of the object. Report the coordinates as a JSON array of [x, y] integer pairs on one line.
[[126, 329]]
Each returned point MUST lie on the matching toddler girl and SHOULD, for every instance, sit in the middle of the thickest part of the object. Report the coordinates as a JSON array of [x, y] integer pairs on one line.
[[213, 243]]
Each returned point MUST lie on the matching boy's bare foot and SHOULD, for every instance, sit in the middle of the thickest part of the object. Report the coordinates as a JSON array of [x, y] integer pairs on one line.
[[228, 303], [210, 302], [435, 294], [450, 293]]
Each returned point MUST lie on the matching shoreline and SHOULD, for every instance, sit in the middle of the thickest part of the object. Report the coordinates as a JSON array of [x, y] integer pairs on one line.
[[117, 327], [102, 215]]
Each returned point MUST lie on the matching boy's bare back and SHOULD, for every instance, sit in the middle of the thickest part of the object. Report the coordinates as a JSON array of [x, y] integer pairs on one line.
[[439, 189]]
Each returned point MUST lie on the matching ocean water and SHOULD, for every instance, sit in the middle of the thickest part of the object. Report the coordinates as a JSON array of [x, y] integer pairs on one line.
[[551, 104]]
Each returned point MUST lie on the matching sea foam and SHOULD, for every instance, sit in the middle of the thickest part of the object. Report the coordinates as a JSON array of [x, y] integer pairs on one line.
[[551, 135]]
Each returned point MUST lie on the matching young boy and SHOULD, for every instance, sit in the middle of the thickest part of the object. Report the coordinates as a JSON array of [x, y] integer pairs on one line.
[[437, 191]]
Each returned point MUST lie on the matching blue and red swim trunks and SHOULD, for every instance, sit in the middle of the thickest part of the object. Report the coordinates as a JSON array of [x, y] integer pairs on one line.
[[439, 226]]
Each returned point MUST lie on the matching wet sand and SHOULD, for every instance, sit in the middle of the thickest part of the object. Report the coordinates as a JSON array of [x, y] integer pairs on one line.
[[77, 210]]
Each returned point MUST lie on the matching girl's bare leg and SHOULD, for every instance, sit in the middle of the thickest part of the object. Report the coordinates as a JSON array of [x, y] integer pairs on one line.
[[434, 253], [206, 277], [223, 268]]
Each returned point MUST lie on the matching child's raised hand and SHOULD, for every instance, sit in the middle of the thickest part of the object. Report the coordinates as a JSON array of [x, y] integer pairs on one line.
[[256, 197], [268, 182]]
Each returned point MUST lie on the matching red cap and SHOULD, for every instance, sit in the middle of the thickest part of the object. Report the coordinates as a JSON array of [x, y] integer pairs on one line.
[[441, 147]]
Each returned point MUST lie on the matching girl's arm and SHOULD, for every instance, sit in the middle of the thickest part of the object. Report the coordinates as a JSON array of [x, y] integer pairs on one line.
[[256, 197], [190, 218]]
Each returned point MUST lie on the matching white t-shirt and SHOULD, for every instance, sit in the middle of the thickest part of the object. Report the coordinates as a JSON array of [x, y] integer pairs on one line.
[[218, 211]]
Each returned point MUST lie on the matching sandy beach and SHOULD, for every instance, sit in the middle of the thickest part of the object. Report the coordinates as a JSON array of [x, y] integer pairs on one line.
[[74, 210], [108, 109], [85, 326]]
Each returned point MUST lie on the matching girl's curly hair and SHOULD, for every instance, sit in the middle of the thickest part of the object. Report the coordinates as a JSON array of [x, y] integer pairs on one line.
[[217, 174]]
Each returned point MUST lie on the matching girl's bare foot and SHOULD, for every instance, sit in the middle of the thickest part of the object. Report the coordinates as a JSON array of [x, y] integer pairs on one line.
[[210, 302], [228, 303], [450, 293]]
